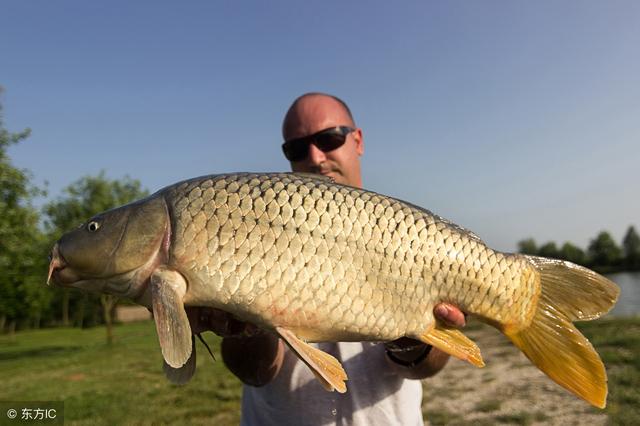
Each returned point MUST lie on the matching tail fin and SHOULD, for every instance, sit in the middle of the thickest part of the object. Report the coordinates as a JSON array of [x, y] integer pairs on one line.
[[568, 293]]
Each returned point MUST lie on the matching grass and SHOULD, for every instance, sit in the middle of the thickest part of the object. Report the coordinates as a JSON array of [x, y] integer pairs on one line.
[[487, 377], [618, 343], [442, 417], [124, 383], [488, 405], [521, 418], [118, 384]]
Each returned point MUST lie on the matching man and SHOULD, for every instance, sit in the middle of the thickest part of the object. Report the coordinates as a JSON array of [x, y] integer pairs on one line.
[[321, 137]]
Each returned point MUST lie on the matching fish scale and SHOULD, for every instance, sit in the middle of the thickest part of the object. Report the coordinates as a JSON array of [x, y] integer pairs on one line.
[[361, 243]]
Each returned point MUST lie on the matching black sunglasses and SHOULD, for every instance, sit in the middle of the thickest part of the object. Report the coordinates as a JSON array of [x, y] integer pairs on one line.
[[326, 140]]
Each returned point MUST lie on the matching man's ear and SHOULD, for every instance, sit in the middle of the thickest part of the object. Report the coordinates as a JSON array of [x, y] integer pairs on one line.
[[357, 135]]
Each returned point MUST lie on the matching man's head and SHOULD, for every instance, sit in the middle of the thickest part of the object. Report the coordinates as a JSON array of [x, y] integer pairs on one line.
[[315, 112]]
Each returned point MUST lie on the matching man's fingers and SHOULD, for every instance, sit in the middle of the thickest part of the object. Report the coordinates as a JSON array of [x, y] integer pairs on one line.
[[450, 315], [215, 315], [208, 319], [220, 322]]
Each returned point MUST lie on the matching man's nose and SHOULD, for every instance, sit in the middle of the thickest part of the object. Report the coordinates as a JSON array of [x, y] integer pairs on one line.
[[316, 155]]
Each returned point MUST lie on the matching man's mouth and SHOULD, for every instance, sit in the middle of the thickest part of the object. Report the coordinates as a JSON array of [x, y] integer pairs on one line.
[[329, 172]]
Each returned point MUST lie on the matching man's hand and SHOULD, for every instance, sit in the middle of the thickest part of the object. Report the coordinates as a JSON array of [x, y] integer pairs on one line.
[[450, 315], [253, 355], [424, 360], [220, 322]]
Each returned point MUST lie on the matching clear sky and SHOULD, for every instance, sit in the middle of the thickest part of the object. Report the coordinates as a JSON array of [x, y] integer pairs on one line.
[[513, 119]]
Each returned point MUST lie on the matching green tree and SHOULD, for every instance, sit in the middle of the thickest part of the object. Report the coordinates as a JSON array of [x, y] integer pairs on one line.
[[603, 251], [572, 253], [22, 295], [549, 250], [82, 199], [631, 248], [528, 246]]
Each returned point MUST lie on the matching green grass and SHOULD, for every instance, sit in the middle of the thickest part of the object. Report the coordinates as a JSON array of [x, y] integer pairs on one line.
[[124, 383], [618, 343], [121, 383]]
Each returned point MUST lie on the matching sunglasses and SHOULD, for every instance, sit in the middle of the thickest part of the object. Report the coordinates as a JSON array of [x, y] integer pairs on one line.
[[326, 140]]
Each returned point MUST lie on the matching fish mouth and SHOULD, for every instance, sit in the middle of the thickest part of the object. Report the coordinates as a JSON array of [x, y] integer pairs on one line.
[[58, 271]]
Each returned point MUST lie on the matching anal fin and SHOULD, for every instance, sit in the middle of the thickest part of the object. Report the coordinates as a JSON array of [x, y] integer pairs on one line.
[[326, 368], [453, 342]]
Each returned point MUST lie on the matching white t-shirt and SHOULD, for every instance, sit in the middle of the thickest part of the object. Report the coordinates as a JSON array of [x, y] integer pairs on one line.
[[375, 394]]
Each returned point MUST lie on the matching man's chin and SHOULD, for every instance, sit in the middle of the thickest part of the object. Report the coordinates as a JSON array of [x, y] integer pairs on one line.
[[337, 177]]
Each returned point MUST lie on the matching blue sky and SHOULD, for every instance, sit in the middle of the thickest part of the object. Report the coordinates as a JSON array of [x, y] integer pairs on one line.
[[513, 119]]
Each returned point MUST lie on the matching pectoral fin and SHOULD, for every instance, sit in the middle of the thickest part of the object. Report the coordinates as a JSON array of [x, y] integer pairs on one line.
[[182, 375], [174, 333], [453, 342], [326, 368]]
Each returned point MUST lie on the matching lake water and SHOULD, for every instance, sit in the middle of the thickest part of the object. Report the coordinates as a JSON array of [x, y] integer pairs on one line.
[[629, 300]]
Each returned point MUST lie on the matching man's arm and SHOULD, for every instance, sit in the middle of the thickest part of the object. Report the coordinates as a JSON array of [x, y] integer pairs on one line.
[[253, 355], [255, 360]]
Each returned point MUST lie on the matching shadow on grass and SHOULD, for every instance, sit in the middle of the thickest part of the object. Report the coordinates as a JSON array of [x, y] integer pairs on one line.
[[39, 352]]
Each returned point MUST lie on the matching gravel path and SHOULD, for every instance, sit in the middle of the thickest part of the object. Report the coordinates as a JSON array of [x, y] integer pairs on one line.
[[509, 390]]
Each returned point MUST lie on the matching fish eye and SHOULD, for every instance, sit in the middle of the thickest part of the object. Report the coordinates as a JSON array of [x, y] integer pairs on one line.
[[93, 226]]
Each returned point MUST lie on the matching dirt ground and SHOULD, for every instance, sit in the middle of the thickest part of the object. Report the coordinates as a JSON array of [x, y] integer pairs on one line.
[[509, 390]]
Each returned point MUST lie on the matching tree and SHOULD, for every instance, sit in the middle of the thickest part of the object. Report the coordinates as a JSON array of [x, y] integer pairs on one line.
[[549, 250], [84, 198], [20, 239], [631, 248], [603, 251], [528, 246], [572, 253]]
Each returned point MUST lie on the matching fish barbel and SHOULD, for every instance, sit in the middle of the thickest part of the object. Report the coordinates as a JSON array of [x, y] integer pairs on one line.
[[312, 261]]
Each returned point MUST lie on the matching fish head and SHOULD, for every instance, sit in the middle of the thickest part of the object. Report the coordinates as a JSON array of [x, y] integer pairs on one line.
[[113, 252]]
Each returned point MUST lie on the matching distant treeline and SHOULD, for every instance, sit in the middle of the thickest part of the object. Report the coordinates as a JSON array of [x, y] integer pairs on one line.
[[603, 254], [27, 235]]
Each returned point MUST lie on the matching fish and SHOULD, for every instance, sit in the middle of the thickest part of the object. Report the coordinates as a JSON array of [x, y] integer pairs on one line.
[[311, 260]]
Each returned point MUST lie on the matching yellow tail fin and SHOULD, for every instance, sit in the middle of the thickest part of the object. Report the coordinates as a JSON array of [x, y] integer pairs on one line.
[[569, 293]]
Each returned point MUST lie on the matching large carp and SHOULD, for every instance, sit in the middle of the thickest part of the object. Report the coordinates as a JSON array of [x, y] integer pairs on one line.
[[312, 261]]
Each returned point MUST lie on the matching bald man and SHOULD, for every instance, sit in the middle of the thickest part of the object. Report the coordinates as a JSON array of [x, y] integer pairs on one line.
[[321, 137]]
